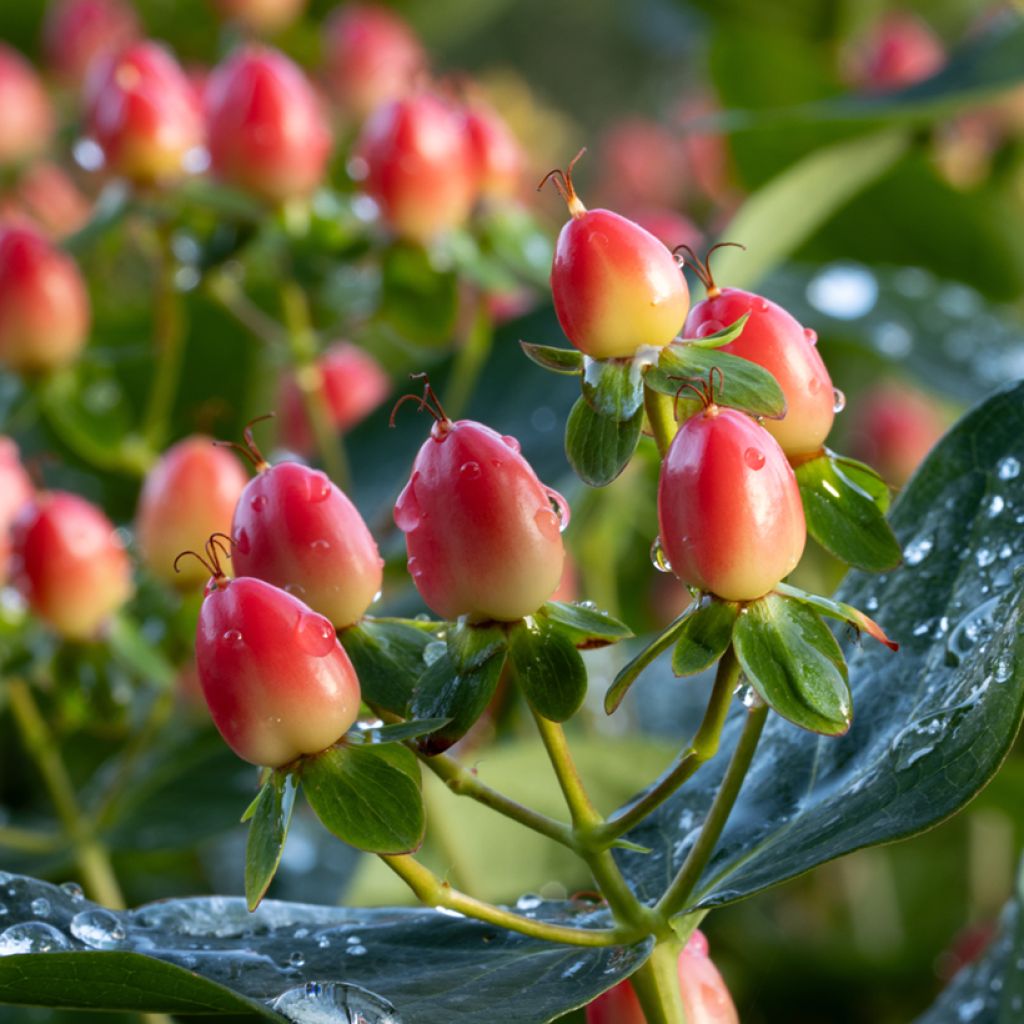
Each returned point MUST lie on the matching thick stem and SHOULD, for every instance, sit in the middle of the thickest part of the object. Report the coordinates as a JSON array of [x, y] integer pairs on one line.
[[469, 361], [682, 886], [657, 985], [433, 892], [661, 417], [41, 745], [27, 840], [582, 811]]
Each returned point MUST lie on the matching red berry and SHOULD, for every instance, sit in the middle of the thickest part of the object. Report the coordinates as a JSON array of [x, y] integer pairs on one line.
[[419, 166], [616, 287], [27, 122], [76, 32], [69, 564], [188, 495], [901, 49], [16, 491], [262, 16], [670, 227], [141, 110], [354, 384], [775, 340], [292, 527], [496, 151], [276, 680], [482, 536], [267, 130], [372, 57], [44, 307], [642, 164], [705, 153], [729, 511], [46, 197]]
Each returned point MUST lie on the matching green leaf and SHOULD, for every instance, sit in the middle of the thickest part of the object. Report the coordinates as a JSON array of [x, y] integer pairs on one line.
[[418, 299], [512, 235], [368, 796], [838, 610], [743, 385], [399, 732], [584, 625], [630, 672], [548, 668], [110, 209], [704, 637], [130, 647], [268, 829], [598, 447], [843, 518], [614, 388], [933, 722], [722, 337], [867, 479], [470, 644], [561, 360]]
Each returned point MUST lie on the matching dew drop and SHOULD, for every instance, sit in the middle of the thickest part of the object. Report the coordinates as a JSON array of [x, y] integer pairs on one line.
[[815, 385], [838, 401], [658, 557], [407, 508], [242, 542], [40, 907], [32, 937], [332, 1002], [355, 949], [528, 902], [233, 638], [1008, 468], [811, 335], [318, 487], [984, 557], [995, 505], [320, 546], [98, 928], [918, 550], [547, 523], [295, 589], [470, 471], [1003, 668], [315, 634], [754, 458], [258, 503], [560, 507], [709, 327], [434, 650], [512, 442], [414, 568], [761, 305], [73, 891], [296, 960]]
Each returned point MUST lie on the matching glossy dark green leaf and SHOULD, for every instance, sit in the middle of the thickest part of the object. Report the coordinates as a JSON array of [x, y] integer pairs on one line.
[[399, 732], [743, 384], [794, 664], [368, 796], [705, 636], [614, 387], [269, 817], [598, 447], [630, 672], [722, 337], [934, 721], [843, 518], [861, 475], [470, 645], [548, 668], [210, 956], [838, 610], [561, 360], [584, 625], [418, 300]]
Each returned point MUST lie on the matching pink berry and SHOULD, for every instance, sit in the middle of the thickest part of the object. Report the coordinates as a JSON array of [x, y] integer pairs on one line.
[[498, 156], [141, 110], [46, 197], [16, 491], [292, 527], [729, 511], [616, 287], [188, 495], [482, 535], [69, 564], [670, 227], [642, 164], [354, 384], [27, 121], [277, 682], [901, 49], [419, 166], [44, 307], [261, 16], [267, 130], [77, 32], [372, 57]]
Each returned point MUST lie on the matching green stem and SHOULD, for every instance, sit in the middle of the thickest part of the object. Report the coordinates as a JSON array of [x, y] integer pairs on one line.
[[309, 380], [657, 985], [469, 361], [231, 297], [582, 811], [682, 886], [42, 746], [433, 892], [702, 749], [27, 840], [661, 417]]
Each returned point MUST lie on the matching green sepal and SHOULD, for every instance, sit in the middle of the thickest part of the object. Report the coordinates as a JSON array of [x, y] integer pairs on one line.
[[559, 360], [586, 627], [470, 645], [844, 504], [723, 337], [614, 388], [793, 662], [368, 796], [838, 610], [705, 636], [398, 732], [598, 447], [269, 816], [629, 673], [548, 668]]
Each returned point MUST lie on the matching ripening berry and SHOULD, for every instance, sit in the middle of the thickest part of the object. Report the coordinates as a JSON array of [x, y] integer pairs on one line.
[[482, 534], [267, 130], [419, 166], [294, 528], [44, 307], [69, 564], [46, 197], [372, 57], [642, 163], [616, 287], [141, 110], [354, 384], [27, 121], [774, 339], [77, 32], [277, 682], [188, 495], [498, 156], [261, 16], [729, 511], [16, 491], [706, 1000], [900, 50]]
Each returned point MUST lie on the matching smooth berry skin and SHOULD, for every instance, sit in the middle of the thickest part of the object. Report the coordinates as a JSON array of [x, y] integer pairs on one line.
[[44, 306], [277, 682], [27, 122], [616, 287], [261, 16], [419, 165], [774, 339], [729, 511], [371, 58], [141, 110], [69, 564], [16, 492], [482, 537], [267, 131], [901, 50], [188, 495], [354, 384], [295, 529], [78, 32], [498, 156]]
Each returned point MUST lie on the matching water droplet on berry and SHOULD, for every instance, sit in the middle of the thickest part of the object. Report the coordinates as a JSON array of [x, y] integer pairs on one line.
[[838, 401], [761, 305], [811, 335], [242, 542], [320, 546], [258, 503], [319, 487], [407, 508], [469, 470], [709, 327], [560, 506], [233, 638], [295, 589], [315, 634], [547, 523], [414, 568], [814, 386], [754, 458], [511, 442], [658, 557]]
